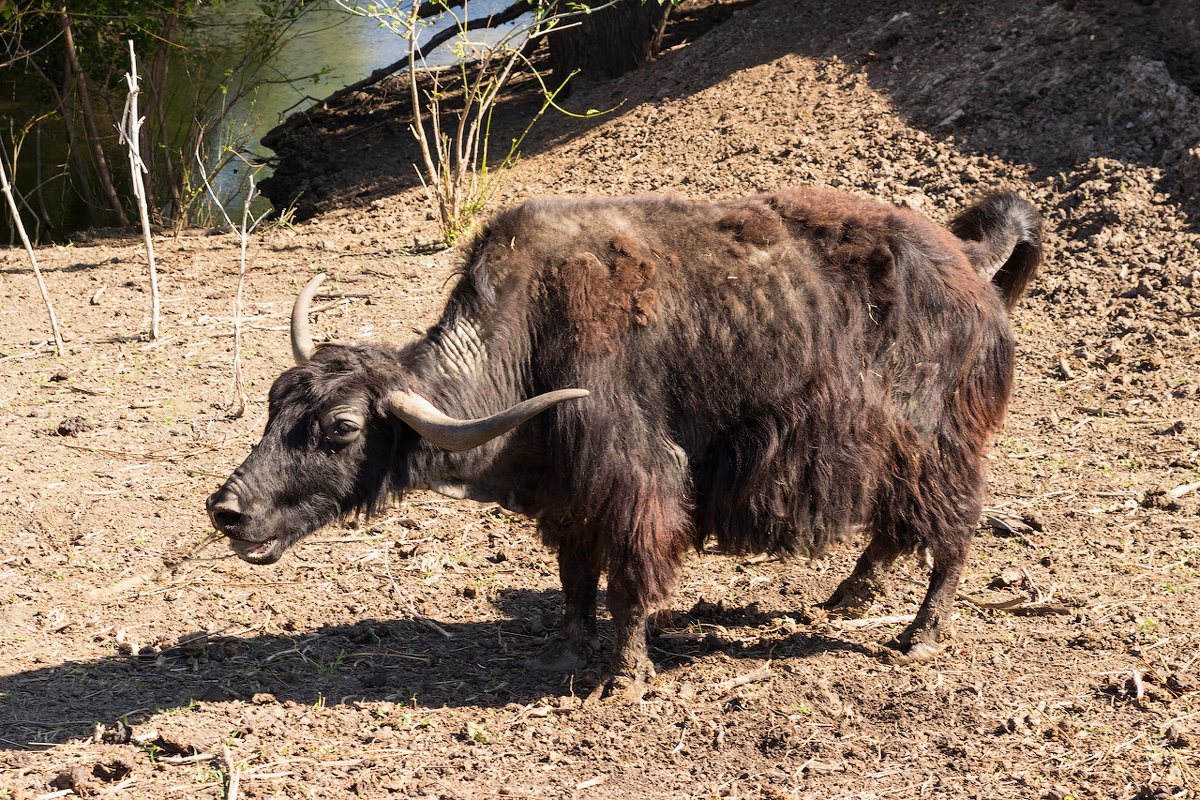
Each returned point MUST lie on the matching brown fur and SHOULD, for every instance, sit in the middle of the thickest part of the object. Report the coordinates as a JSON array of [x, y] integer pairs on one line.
[[603, 299]]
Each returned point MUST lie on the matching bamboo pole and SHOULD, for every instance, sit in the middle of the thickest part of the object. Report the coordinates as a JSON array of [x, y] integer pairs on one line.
[[20, 226]]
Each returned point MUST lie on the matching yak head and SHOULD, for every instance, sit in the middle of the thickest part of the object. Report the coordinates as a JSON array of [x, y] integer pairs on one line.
[[340, 426]]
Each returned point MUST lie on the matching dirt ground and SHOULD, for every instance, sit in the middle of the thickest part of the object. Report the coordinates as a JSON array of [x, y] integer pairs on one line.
[[138, 658]]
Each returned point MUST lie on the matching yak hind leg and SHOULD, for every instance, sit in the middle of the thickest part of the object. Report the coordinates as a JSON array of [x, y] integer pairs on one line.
[[921, 640], [854, 596], [579, 565]]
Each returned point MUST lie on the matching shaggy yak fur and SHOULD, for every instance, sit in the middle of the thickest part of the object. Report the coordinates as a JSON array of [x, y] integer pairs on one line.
[[774, 374]]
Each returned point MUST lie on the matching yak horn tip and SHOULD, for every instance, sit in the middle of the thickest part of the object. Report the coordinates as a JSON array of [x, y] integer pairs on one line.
[[433, 425], [302, 343]]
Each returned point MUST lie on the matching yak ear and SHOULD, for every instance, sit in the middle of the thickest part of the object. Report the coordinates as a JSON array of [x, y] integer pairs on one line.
[[464, 434]]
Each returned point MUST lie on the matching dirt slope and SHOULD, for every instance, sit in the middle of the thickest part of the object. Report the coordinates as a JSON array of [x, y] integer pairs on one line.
[[386, 660]]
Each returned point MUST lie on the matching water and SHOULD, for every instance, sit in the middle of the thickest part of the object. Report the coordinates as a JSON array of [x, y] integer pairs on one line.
[[334, 46], [341, 49]]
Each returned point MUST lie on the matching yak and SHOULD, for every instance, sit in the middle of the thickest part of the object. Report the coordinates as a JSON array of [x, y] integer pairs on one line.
[[643, 375]]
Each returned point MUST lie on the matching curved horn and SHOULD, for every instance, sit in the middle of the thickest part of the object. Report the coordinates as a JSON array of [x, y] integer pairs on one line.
[[464, 434], [302, 343]]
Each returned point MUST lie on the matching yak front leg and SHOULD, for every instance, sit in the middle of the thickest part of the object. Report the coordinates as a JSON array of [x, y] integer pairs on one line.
[[647, 548], [632, 668], [579, 565]]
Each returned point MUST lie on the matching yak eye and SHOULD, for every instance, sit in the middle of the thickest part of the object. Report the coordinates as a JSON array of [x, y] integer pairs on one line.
[[342, 428]]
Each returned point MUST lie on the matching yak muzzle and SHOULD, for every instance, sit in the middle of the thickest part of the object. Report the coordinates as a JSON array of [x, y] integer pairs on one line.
[[225, 510], [247, 535]]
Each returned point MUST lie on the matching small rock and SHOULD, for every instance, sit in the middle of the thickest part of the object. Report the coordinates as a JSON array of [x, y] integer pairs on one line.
[[180, 743], [119, 733], [1155, 793], [1034, 520], [263, 698], [1181, 684], [113, 768], [73, 426], [1177, 735], [1007, 526], [78, 779], [143, 737], [1008, 577], [1143, 289]]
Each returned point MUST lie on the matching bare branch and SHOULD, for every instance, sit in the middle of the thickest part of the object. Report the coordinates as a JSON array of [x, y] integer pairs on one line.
[[419, 53], [249, 223], [130, 135], [20, 226]]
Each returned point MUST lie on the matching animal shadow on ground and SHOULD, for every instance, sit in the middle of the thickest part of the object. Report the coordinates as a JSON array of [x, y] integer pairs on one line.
[[416, 661]]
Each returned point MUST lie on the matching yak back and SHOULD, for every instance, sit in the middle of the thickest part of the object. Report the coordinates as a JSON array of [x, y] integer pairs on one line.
[[768, 371]]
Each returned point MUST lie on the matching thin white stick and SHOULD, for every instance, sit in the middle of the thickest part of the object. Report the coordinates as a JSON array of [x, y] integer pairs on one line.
[[866, 622], [1180, 491], [16, 215], [760, 674], [243, 233], [130, 129], [239, 383], [52, 795], [176, 760], [231, 773]]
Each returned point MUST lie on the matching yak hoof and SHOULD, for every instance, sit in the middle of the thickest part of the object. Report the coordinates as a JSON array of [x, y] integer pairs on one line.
[[626, 686], [850, 602], [915, 653], [561, 655], [622, 689]]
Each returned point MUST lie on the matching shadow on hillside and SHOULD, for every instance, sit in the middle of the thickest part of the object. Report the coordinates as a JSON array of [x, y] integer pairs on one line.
[[1011, 79], [429, 662]]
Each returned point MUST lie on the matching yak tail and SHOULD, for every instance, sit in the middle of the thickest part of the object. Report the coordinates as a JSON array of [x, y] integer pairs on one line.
[[1008, 230]]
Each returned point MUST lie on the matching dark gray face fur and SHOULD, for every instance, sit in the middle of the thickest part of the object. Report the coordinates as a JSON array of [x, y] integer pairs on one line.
[[327, 451]]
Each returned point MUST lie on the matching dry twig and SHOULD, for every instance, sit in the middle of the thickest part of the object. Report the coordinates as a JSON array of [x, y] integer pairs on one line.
[[760, 674], [16, 215], [870, 622], [249, 223], [1187, 488], [130, 130], [232, 773]]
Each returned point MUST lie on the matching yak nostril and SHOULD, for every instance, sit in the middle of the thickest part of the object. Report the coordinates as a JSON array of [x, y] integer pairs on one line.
[[225, 510], [226, 518]]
